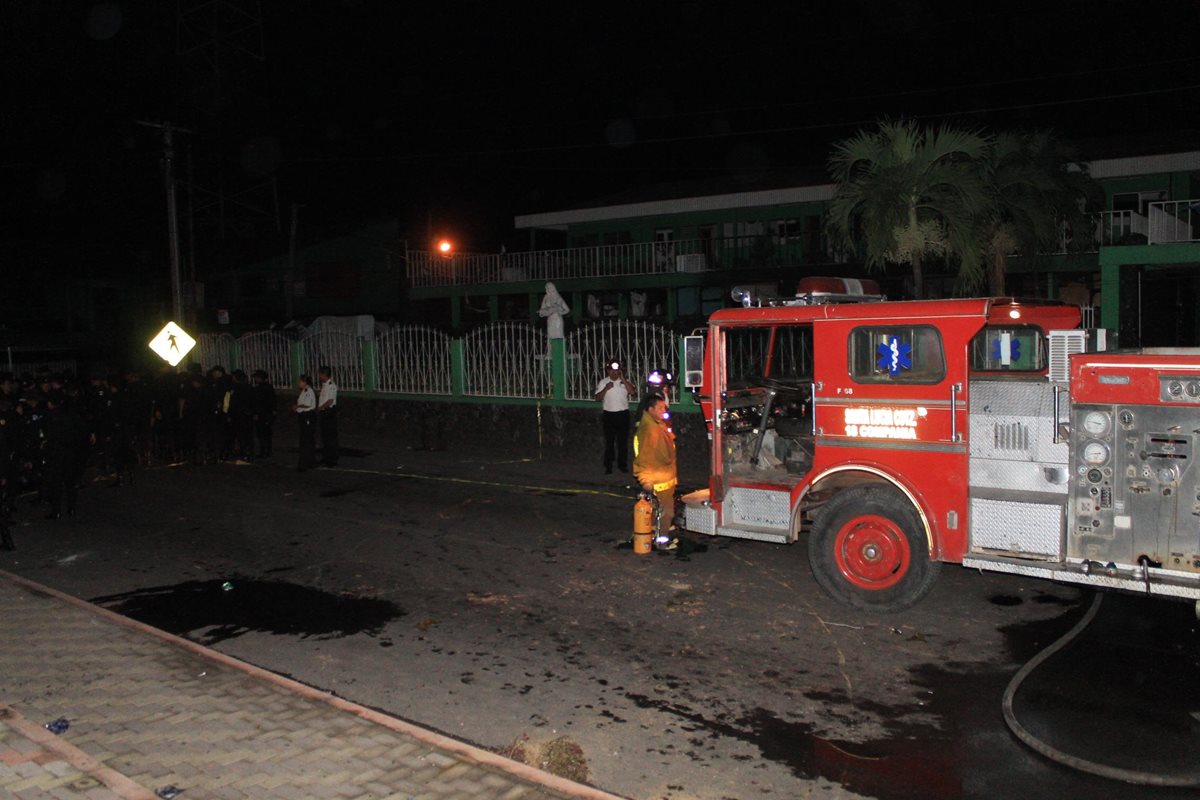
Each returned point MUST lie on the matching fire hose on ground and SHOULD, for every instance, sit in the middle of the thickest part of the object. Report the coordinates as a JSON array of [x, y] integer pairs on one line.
[[1054, 754]]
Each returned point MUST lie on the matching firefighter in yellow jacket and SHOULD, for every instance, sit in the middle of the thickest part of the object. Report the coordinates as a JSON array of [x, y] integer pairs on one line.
[[654, 463]]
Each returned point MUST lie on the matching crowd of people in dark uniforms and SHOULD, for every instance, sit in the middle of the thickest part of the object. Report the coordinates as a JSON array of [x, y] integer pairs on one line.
[[53, 427]]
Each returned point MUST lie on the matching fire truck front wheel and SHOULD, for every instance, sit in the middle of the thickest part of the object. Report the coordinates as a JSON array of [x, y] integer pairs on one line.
[[867, 549]]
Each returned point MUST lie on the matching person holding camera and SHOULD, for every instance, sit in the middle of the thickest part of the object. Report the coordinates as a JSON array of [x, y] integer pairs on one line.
[[613, 392]]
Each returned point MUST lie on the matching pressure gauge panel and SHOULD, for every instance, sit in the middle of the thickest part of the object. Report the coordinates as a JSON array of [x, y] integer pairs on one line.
[[1095, 453], [1179, 389], [1096, 423]]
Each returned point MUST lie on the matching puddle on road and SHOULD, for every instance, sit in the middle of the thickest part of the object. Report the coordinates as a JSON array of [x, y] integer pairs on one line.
[[213, 614], [1122, 694], [893, 769]]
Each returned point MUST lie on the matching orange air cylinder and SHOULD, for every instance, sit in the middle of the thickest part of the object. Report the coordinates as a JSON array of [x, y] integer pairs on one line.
[[643, 525]]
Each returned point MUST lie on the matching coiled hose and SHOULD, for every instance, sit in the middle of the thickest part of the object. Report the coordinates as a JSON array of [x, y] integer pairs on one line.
[[1082, 764]]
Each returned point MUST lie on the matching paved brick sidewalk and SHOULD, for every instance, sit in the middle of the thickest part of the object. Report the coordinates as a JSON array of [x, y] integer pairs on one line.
[[148, 710]]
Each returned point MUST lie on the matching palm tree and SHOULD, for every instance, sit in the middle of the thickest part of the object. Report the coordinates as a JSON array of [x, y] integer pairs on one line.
[[1040, 196], [911, 194]]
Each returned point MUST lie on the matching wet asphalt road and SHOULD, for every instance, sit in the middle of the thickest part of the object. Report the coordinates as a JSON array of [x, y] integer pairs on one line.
[[510, 606]]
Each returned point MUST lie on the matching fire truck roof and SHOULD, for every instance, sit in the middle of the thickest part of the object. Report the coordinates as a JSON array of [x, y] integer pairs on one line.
[[1047, 314]]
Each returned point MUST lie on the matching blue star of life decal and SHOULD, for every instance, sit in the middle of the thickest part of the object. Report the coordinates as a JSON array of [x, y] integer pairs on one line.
[[894, 355], [1014, 349]]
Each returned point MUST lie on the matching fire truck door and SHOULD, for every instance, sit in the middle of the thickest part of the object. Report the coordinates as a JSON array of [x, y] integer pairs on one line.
[[762, 431], [1019, 473]]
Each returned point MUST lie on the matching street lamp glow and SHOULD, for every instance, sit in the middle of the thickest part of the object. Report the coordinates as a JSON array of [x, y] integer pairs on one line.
[[444, 247]]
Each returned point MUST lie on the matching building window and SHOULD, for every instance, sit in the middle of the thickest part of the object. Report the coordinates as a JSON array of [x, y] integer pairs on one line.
[[1137, 202], [786, 230], [813, 251]]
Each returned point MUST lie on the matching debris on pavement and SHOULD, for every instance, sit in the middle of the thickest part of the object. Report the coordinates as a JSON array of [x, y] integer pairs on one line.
[[58, 726], [168, 791], [562, 756]]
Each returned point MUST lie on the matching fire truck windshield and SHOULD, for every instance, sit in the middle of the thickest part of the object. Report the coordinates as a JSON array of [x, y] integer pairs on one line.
[[781, 354]]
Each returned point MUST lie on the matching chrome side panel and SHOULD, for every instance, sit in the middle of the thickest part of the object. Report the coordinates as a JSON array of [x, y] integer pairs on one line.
[[1019, 476], [1028, 529], [757, 508], [698, 514]]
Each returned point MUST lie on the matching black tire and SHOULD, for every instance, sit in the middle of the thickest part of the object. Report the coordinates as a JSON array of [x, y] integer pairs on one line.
[[867, 550]]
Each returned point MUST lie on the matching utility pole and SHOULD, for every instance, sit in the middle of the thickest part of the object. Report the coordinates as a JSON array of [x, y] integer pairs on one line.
[[168, 131], [289, 290]]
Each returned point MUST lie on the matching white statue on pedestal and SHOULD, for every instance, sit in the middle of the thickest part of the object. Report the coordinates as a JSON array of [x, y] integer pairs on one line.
[[553, 308]]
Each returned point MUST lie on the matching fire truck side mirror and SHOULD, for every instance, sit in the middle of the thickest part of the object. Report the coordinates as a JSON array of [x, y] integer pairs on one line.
[[693, 362]]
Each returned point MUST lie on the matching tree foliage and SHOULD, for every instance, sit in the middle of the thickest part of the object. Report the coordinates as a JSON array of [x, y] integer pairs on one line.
[[1042, 200], [908, 194]]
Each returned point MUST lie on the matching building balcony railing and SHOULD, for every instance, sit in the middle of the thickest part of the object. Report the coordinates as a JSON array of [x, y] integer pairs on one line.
[[640, 258], [1165, 222]]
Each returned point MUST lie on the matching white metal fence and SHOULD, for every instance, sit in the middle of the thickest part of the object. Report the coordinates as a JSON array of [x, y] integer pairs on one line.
[[61, 366], [269, 351], [506, 359], [215, 349], [341, 352], [413, 359], [638, 345]]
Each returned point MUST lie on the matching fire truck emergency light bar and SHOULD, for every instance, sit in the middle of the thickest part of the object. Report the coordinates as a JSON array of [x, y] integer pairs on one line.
[[813, 291]]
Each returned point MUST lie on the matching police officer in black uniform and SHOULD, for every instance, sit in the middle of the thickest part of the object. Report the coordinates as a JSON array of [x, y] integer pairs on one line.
[[264, 412], [64, 455]]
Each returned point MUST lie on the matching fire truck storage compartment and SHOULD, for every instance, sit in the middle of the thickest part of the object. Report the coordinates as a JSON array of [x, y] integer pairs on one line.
[[767, 435], [698, 514], [1135, 491], [1019, 476], [765, 510]]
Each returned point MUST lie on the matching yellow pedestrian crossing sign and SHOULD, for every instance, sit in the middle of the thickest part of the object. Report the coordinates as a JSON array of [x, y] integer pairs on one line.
[[172, 343]]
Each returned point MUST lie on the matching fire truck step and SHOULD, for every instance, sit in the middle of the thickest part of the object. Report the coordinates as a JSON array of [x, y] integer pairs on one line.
[[758, 534], [1161, 582]]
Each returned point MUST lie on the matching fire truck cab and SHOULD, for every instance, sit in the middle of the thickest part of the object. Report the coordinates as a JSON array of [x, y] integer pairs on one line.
[[989, 432]]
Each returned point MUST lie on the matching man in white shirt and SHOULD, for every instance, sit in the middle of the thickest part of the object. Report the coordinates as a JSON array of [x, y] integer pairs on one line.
[[327, 413], [613, 392], [306, 412]]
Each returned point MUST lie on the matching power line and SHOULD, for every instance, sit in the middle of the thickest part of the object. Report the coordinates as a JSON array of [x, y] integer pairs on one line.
[[749, 132], [830, 100]]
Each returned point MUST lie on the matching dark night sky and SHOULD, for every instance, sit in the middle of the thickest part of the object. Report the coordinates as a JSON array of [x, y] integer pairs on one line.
[[466, 113]]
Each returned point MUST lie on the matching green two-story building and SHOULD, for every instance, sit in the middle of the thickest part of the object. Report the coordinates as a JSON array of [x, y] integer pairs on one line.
[[674, 254]]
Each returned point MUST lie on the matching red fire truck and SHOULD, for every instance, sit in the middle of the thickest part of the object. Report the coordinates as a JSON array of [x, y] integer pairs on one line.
[[994, 433]]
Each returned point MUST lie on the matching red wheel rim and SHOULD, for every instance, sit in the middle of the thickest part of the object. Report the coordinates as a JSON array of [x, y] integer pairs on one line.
[[872, 552]]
